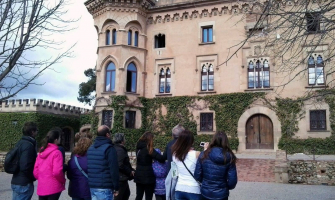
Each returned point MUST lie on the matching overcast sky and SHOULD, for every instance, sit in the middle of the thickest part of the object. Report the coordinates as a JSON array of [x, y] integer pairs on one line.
[[61, 85]]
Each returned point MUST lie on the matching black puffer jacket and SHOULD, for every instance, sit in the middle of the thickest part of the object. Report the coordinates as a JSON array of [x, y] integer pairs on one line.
[[144, 173], [125, 168], [28, 156]]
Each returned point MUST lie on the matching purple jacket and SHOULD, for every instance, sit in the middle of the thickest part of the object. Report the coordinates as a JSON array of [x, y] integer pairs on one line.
[[160, 171], [78, 187]]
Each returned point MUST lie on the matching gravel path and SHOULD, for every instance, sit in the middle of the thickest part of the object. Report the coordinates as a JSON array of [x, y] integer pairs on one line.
[[243, 191]]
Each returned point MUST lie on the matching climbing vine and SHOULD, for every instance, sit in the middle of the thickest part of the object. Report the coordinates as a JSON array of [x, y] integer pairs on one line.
[[160, 115]]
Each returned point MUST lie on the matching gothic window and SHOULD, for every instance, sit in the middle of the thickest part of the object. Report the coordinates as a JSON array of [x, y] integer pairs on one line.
[[110, 77], [207, 77], [317, 120], [131, 78], [206, 121], [164, 81], [114, 36], [159, 41], [130, 119], [207, 34], [259, 74], [316, 71], [136, 38], [107, 117], [130, 34], [108, 37]]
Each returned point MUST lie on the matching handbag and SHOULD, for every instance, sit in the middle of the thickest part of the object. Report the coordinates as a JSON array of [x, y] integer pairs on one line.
[[171, 181], [192, 174], [80, 169]]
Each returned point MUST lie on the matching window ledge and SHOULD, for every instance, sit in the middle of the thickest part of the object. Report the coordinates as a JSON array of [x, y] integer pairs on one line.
[[206, 43], [160, 48], [314, 131], [132, 93], [112, 92], [163, 94], [206, 133], [258, 89], [316, 86], [207, 92], [314, 32]]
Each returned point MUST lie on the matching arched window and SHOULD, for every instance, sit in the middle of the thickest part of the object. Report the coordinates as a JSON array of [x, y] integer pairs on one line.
[[165, 81], [159, 41], [136, 39], [114, 36], [207, 77], [259, 74], [110, 77], [316, 70], [130, 33], [108, 37], [131, 78]]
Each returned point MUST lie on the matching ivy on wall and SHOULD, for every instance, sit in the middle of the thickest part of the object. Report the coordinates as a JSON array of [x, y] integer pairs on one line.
[[11, 126], [228, 109]]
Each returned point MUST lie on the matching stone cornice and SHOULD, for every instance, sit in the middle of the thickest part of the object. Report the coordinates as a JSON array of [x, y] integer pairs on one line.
[[97, 7], [207, 10]]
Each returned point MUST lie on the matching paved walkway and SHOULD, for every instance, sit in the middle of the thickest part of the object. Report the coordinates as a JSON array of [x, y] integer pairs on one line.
[[243, 191], [256, 170]]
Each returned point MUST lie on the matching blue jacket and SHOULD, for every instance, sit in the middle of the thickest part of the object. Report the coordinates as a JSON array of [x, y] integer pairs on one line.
[[216, 175], [103, 168]]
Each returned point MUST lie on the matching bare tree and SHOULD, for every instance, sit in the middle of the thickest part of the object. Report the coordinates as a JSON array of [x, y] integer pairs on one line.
[[298, 35], [28, 26]]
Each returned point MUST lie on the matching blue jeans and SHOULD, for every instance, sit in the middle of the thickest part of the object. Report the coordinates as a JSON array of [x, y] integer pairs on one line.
[[81, 198], [187, 196], [101, 194], [23, 192]]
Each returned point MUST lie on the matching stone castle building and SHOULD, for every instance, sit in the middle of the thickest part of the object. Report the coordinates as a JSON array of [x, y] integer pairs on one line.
[[167, 48]]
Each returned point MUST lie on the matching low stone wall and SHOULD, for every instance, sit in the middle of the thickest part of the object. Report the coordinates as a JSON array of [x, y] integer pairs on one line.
[[311, 172], [2, 160]]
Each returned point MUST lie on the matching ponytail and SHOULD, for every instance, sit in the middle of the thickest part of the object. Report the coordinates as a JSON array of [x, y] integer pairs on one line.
[[49, 138]]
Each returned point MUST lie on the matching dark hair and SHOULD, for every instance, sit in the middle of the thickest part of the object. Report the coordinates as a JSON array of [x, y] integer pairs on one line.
[[183, 144], [118, 138], [50, 138], [82, 146], [28, 128], [148, 138], [220, 140], [103, 131]]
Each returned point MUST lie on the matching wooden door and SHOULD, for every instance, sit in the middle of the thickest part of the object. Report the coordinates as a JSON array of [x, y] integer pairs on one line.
[[259, 132]]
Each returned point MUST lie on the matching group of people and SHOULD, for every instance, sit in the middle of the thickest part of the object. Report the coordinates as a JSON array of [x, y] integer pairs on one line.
[[100, 170]]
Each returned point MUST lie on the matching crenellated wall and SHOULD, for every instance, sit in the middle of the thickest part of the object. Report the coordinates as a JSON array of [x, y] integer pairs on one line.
[[40, 105]]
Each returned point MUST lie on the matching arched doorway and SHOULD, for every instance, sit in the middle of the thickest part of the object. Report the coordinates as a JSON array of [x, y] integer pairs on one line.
[[259, 132]]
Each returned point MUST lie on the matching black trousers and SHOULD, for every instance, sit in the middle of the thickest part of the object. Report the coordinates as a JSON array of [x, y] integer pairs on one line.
[[50, 197], [160, 197], [144, 188], [124, 191]]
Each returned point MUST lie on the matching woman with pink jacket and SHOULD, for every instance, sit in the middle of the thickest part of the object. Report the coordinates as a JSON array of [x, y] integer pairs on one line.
[[48, 168]]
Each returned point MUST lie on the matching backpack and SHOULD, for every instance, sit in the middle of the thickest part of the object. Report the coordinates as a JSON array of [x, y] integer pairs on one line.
[[12, 159]]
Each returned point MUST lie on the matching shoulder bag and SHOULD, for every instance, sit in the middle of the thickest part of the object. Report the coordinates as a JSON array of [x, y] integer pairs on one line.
[[80, 169]]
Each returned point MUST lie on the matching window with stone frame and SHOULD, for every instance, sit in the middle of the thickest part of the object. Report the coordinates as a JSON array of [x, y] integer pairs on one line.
[[114, 36], [110, 78], [159, 41], [130, 35], [317, 120], [107, 117], [136, 39], [207, 77], [316, 70], [258, 74], [313, 22], [165, 81], [130, 119], [131, 84], [108, 37], [206, 121], [207, 34]]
